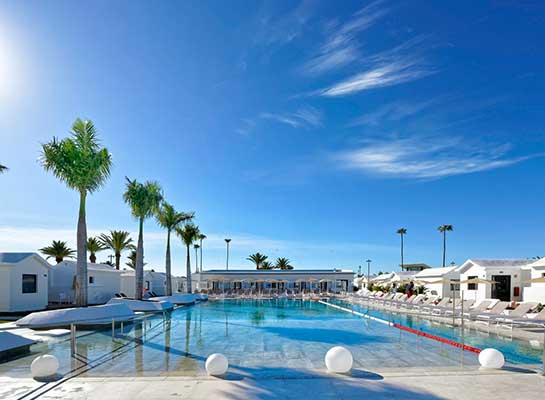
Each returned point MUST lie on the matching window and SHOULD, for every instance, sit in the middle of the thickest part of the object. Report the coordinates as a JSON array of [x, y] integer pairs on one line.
[[91, 280], [30, 284], [472, 286]]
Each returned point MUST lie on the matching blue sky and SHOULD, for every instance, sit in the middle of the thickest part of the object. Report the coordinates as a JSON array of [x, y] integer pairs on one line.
[[309, 130]]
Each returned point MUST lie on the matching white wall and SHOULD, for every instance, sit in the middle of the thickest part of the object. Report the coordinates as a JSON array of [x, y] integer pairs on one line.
[[106, 285], [127, 284], [12, 298], [534, 291], [484, 291]]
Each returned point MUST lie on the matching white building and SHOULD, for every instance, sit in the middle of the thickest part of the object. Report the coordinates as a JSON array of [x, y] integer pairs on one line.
[[104, 281], [507, 273], [382, 279], [332, 280], [442, 289], [533, 291], [153, 282], [23, 282]]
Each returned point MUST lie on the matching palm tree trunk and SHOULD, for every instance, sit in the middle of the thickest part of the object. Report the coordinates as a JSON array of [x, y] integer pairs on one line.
[[81, 264], [196, 262], [167, 266], [139, 272], [402, 252], [201, 257], [444, 247], [117, 260], [93, 258], [188, 271]]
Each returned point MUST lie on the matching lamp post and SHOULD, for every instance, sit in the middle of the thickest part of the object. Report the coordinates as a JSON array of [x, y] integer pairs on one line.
[[368, 261], [227, 241]]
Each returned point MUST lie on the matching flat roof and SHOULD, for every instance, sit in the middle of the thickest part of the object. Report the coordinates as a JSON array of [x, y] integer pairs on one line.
[[278, 271]]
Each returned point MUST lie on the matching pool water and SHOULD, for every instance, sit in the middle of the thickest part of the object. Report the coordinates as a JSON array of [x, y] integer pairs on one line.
[[285, 338], [515, 351]]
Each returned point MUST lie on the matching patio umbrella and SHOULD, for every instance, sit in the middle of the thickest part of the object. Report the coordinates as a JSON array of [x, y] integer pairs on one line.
[[478, 281], [326, 280], [541, 279]]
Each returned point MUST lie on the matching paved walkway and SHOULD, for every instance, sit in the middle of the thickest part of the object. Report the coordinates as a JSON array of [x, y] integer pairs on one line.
[[411, 384]]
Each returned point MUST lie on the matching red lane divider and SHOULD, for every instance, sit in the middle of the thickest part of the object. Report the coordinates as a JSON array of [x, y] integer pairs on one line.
[[437, 338]]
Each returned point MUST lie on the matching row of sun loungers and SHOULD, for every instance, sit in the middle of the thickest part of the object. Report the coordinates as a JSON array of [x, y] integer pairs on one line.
[[487, 311]]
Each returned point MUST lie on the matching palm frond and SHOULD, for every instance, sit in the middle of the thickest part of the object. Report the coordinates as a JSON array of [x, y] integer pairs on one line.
[[144, 199]]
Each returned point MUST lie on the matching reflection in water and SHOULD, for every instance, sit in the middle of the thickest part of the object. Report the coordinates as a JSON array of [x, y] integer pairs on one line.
[[168, 326], [139, 337], [226, 325], [257, 317]]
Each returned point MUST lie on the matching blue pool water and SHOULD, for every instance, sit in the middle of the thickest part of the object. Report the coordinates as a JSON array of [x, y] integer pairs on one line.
[[515, 351], [263, 337]]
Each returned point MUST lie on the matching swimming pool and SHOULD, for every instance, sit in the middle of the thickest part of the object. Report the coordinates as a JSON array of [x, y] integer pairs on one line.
[[285, 338]]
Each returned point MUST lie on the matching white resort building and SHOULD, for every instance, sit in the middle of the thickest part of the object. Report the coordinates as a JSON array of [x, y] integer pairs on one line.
[[440, 278], [153, 282], [324, 280], [533, 291], [104, 281], [23, 282], [506, 273]]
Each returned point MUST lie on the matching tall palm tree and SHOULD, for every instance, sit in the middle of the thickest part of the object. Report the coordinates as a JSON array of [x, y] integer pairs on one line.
[[444, 229], [283, 263], [196, 247], [94, 245], [202, 236], [257, 259], [168, 218], [117, 241], [402, 232], [144, 200], [84, 166], [3, 168], [267, 265], [59, 250], [188, 233]]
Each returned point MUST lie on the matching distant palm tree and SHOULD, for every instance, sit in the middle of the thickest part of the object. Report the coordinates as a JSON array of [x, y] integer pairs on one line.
[[267, 265], [168, 218], [82, 165], [202, 236], [59, 250], [196, 247], [283, 263], [188, 233], [117, 241], [3, 168], [94, 246], [144, 200], [444, 229], [401, 232], [132, 260], [257, 259]]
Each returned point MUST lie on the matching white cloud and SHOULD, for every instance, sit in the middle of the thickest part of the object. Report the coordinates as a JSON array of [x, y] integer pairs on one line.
[[306, 117], [394, 111], [341, 46], [399, 71], [426, 157]]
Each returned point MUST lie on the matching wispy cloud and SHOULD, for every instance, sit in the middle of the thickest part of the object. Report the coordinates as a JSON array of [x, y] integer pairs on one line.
[[396, 72], [394, 111], [341, 46], [306, 117], [426, 157]]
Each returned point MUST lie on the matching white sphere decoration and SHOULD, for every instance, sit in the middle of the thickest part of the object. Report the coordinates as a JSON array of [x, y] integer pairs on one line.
[[216, 364], [491, 358], [339, 360], [44, 366]]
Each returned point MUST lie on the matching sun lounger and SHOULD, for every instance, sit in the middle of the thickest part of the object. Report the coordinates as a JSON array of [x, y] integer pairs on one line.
[[442, 303], [519, 312], [426, 302], [479, 308], [413, 301], [539, 319], [495, 311]]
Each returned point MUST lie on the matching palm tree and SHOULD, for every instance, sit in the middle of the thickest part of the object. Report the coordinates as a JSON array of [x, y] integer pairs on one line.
[[144, 200], [3, 168], [59, 250], [401, 232], [283, 263], [94, 246], [168, 218], [257, 259], [267, 265], [196, 247], [82, 165], [444, 229], [201, 237], [188, 233], [117, 241], [132, 259]]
